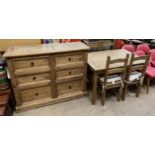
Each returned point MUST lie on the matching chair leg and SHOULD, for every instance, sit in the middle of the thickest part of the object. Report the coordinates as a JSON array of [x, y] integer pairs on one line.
[[148, 85], [119, 94], [124, 92], [138, 89], [103, 97]]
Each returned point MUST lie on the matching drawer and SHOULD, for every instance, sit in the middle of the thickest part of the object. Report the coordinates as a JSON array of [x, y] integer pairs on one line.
[[36, 94], [69, 73], [31, 63], [33, 78], [70, 87], [64, 59]]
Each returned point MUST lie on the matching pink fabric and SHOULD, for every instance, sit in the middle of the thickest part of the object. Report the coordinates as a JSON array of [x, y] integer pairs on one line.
[[149, 64], [150, 72], [139, 53], [152, 56], [144, 47], [129, 47], [153, 63]]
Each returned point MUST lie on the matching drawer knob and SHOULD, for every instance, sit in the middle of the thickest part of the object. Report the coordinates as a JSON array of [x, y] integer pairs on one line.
[[32, 63], [69, 87], [70, 72], [36, 94], [34, 78], [69, 59]]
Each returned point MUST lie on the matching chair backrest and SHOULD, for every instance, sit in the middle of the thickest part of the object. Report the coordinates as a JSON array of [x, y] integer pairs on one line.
[[137, 64], [139, 53], [152, 57], [129, 47], [116, 67], [144, 47]]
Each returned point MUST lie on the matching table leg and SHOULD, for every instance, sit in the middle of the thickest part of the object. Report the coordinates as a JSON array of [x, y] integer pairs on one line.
[[94, 91]]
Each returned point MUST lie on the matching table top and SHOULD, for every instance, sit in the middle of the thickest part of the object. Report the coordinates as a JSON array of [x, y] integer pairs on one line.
[[97, 60]]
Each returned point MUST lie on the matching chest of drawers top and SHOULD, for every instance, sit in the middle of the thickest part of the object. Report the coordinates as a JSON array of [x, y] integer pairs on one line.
[[19, 51]]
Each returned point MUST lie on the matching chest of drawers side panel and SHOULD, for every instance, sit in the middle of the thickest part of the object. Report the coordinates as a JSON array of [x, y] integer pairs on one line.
[[13, 81]]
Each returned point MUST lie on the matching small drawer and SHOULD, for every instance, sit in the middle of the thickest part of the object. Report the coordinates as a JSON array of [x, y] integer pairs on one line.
[[63, 59], [33, 78], [36, 94], [69, 73], [31, 63], [70, 87]]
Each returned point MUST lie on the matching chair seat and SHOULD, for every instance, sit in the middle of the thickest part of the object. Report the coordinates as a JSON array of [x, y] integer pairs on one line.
[[135, 76], [112, 79], [150, 72]]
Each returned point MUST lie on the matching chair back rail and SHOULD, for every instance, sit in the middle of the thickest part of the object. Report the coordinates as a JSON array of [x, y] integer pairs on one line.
[[134, 66], [120, 69]]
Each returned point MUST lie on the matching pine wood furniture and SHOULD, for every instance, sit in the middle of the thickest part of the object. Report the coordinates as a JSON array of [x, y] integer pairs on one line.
[[113, 77], [47, 74], [97, 64], [99, 44], [136, 73]]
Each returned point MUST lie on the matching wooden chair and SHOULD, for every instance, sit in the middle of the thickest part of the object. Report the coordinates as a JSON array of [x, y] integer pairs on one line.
[[136, 73], [113, 77]]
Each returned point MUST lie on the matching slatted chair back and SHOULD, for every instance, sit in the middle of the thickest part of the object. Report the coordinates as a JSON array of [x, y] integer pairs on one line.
[[116, 67], [138, 64]]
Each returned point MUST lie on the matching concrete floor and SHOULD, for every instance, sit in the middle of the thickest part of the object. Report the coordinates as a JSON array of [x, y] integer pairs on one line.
[[132, 106]]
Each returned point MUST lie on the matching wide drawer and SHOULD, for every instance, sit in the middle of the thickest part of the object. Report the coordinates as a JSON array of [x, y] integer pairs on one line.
[[31, 63], [64, 59], [33, 78], [70, 87], [36, 94], [69, 73]]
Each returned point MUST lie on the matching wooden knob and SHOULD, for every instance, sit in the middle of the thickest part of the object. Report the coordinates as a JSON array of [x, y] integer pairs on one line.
[[34, 78], [69, 59], [69, 87], [36, 94], [32, 63]]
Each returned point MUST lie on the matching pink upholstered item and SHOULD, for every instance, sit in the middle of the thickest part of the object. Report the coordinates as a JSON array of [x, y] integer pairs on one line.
[[144, 47], [152, 57], [139, 53], [150, 74], [129, 47]]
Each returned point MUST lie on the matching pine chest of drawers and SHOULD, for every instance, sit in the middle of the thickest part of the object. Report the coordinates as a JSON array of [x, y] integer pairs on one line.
[[47, 74]]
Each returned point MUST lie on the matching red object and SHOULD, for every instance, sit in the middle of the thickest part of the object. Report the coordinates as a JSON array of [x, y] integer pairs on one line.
[[129, 47], [152, 57], [144, 47], [139, 53], [119, 43], [150, 72], [69, 40]]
